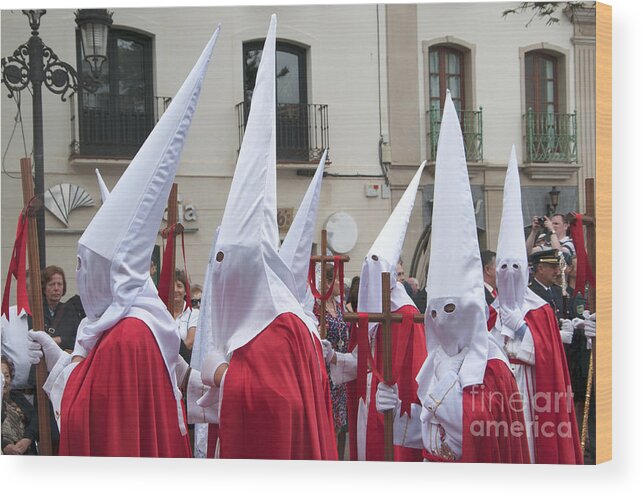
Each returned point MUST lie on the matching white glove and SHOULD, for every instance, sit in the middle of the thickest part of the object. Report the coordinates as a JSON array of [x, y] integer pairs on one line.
[[511, 318], [328, 351], [210, 365], [40, 343], [566, 331], [386, 398], [450, 364], [589, 324], [210, 397]]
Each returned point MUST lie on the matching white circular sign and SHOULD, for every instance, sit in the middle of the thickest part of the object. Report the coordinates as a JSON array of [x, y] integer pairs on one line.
[[342, 232]]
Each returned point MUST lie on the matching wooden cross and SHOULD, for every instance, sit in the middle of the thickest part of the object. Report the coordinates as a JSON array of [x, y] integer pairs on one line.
[[35, 301], [324, 259], [172, 219], [589, 221], [385, 318]]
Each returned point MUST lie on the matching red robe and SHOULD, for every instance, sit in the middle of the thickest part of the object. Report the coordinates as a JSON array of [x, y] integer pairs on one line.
[[483, 409], [276, 397], [119, 400], [413, 359], [554, 408]]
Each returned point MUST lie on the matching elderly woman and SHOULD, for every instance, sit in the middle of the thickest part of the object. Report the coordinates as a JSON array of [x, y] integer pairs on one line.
[[19, 419]]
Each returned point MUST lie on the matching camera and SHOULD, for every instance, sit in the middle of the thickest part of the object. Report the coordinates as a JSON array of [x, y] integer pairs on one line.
[[541, 221]]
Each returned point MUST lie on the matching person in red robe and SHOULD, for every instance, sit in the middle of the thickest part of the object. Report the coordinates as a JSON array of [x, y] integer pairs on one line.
[[366, 424], [468, 411], [119, 395], [264, 367], [528, 331]]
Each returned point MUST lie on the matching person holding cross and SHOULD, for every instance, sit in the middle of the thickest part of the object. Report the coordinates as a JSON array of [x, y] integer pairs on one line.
[[528, 331], [119, 394], [465, 385], [366, 425]]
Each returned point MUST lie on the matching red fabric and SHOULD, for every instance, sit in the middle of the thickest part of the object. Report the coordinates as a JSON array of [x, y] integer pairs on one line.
[[338, 271], [553, 393], [489, 405], [408, 355], [119, 400], [213, 437], [493, 316], [276, 397], [584, 273], [167, 267], [18, 269]]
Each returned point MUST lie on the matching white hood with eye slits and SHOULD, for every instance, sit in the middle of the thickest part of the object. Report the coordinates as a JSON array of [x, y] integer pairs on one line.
[[455, 312], [115, 250]]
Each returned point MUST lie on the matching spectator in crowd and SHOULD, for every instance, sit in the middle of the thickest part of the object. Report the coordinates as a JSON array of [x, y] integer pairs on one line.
[[418, 295], [488, 258], [353, 294], [19, 419], [186, 317], [195, 294], [401, 276], [337, 333], [61, 319]]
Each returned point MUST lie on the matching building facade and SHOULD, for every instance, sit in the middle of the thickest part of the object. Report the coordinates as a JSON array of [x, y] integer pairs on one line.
[[366, 81]]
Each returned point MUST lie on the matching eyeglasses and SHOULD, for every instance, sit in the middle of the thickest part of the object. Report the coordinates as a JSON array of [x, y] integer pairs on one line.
[[195, 301], [400, 274]]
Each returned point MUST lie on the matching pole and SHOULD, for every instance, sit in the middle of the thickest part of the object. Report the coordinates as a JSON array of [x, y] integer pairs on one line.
[[387, 371], [35, 302], [36, 76], [172, 217]]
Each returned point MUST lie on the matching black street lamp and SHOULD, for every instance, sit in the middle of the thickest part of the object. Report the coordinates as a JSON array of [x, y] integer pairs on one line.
[[35, 63], [553, 198]]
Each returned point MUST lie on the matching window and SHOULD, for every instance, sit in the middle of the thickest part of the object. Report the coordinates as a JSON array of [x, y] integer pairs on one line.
[[550, 133], [116, 119], [541, 82], [446, 71], [449, 68], [292, 99]]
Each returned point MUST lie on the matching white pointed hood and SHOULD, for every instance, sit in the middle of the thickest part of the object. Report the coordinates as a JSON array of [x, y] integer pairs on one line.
[[296, 249], [512, 270], [455, 270], [102, 187], [115, 250], [248, 267], [384, 255]]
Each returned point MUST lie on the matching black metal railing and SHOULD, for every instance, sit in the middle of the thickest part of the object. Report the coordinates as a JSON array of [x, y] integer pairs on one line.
[[114, 126], [471, 124], [550, 137], [302, 130]]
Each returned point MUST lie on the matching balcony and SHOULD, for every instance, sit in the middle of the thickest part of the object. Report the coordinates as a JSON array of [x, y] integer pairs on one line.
[[471, 124], [113, 126], [550, 137], [302, 131]]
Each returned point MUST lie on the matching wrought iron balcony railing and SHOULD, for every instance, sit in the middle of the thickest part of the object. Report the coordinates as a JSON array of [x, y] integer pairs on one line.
[[550, 137], [302, 130], [471, 124], [113, 126]]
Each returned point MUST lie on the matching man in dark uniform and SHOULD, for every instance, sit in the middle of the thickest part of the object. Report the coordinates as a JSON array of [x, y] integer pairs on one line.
[[546, 271]]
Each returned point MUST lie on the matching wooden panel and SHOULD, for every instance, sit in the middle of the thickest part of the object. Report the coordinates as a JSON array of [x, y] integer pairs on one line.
[[604, 232]]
